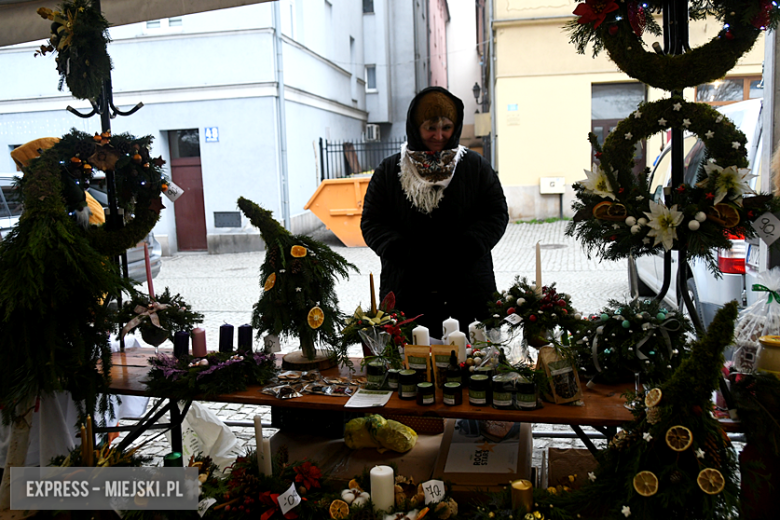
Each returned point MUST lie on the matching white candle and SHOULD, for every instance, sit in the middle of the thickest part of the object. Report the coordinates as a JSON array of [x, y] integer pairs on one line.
[[447, 326], [382, 488], [458, 339], [538, 268], [259, 444], [420, 336], [267, 469], [476, 332], [199, 342]]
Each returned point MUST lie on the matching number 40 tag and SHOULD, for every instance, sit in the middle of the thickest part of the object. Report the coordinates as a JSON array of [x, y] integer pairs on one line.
[[434, 491], [289, 499]]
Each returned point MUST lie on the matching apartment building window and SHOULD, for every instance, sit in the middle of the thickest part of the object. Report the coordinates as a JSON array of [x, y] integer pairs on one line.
[[730, 90], [370, 77], [153, 24], [174, 22], [610, 104], [368, 6]]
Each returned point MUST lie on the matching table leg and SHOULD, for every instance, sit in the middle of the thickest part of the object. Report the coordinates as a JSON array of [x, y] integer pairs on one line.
[[585, 440]]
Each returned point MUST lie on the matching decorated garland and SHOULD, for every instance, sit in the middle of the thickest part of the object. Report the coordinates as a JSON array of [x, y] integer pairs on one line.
[[79, 36], [157, 318], [618, 28], [632, 337], [616, 214], [217, 373], [298, 278], [537, 314]]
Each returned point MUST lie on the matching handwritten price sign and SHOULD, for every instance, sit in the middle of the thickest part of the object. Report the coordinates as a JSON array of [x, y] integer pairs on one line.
[[289, 499], [768, 228], [434, 491]]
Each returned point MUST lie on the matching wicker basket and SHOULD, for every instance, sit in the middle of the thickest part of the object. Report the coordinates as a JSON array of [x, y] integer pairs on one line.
[[424, 425]]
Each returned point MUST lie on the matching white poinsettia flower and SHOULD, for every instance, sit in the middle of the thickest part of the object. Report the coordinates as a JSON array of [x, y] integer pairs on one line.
[[731, 181], [663, 224], [597, 183]]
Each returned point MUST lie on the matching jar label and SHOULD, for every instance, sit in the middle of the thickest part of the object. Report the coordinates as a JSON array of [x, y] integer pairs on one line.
[[428, 399], [392, 383], [477, 400], [526, 400], [377, 378], [408, 390], [502, 399], [449, 399]]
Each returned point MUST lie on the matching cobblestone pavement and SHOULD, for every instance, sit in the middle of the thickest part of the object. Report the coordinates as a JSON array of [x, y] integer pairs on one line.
[[225, 287]]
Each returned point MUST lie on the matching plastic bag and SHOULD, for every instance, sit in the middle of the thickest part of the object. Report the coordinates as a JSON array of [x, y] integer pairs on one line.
[[762, 318], [374, 431]]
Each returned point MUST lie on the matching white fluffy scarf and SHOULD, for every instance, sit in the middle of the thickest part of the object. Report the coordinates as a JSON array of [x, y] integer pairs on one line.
[[424, 195]]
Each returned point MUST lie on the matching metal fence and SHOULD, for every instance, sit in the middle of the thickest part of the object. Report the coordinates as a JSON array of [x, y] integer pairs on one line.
[[339, 159]]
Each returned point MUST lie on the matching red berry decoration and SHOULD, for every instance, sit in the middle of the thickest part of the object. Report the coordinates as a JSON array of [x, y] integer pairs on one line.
[[613, 29], [510, 310], [729, 35], [562, 303], [499, 302], [532, 318]]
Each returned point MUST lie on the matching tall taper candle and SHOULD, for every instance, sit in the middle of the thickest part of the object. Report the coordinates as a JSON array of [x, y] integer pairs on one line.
[[267, 467], [199, 342], [538, 269], [226, 338], [420, 336], [373, 294], [382, 488], [263, 465], [458, 339], [181, 343], [149, 283], [245, 337]]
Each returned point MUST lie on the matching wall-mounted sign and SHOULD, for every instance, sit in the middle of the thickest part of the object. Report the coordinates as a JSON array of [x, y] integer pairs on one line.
[[212, 134]]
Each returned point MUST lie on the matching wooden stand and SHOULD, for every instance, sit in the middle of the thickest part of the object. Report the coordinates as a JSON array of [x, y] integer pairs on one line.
[[298, 361]]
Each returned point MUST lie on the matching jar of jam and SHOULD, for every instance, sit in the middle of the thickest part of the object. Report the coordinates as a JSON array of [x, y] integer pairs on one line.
[[503, 387], [526, 396], [453, 393], [425, 394], [392, 378], [478, 387], [407, 384]]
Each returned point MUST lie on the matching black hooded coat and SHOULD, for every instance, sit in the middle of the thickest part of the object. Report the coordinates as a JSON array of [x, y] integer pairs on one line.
[[437, 264]]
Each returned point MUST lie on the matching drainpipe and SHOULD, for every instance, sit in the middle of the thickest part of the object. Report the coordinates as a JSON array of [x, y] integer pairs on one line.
[[281, 119], [492, 86]]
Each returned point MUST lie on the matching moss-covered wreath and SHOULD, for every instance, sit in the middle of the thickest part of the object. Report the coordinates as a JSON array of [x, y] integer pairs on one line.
[[79, 36], [618, 27], [616, 214]]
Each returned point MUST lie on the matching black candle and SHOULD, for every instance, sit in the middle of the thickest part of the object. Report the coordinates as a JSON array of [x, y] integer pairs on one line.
[[226, 338], [245, 337], [181, 343]]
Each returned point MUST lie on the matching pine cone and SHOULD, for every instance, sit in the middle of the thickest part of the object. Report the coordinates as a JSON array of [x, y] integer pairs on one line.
[[296, 267], [676, 477], [84, 149], [712, 448], [653, 415]]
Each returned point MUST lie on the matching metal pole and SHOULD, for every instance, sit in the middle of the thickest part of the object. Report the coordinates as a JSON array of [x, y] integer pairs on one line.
[[281, 122]]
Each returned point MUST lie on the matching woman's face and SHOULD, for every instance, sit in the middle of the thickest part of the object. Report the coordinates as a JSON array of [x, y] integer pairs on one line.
[[436, 132]]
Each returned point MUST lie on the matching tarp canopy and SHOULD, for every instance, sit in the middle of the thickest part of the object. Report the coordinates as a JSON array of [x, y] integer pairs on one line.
[[20, 23]]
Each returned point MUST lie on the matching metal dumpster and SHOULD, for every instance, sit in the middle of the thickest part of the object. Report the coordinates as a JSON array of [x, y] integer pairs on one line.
[[338, 203]]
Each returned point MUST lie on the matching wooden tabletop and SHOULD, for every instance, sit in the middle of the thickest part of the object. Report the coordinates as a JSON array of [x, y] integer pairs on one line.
[[602, 405]]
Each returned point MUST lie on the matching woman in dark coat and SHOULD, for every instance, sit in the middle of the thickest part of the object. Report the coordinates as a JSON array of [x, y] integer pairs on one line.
[[433, 213]]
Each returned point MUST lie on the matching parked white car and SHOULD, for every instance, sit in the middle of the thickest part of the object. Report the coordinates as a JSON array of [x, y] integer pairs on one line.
[[708, 291], [11, 209]]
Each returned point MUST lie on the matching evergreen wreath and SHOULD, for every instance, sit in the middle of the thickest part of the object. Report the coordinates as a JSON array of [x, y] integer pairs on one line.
[[187, 377], [157, 318], [618, 28], [632, 337], [79, 36], [616, 214]]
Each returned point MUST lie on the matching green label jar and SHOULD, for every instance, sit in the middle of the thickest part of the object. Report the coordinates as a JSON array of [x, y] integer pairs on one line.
[[407, 384], [425, 394], [502, 392], [375, 373], [526, 398], [392, 378], [453, 393], [478, 385]]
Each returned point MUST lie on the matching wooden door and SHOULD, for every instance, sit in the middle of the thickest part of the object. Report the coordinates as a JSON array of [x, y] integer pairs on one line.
[[189, 208]]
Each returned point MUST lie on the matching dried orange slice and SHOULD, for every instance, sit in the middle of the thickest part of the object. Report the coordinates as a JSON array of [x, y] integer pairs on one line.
[[711, 481], [646, 483], [315, 318], [724, 215], [338, 509], [269, 282], [601, 210], [679, 438], [606, 210], [422, 513], [353, 484], [653, 397], [298, 251]]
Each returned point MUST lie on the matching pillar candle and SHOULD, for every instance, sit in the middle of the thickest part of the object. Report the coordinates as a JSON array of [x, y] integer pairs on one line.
[[149, 283], [263, 465], [373, 294], [199, 342], [181, 343], [458, 339], [447, 326], [476, 332], [420, 336], [538, 268], [267, 467], [245, 337], [226, 338], [523, 494], [382, 488]]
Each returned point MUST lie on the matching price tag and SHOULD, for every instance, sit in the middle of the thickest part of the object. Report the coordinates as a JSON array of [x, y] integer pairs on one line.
[[173, 192], [514, 319], [767, 226], [205, 504], [289, 499], [434, 491], [272, 343]]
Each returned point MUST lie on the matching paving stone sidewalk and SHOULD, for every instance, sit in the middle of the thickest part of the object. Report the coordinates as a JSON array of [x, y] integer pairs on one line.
[[225, 287]]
